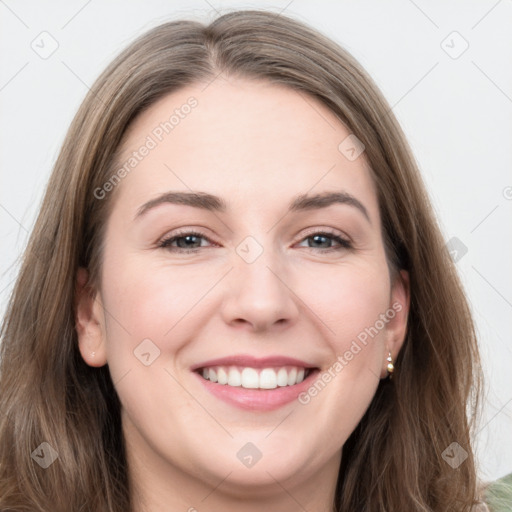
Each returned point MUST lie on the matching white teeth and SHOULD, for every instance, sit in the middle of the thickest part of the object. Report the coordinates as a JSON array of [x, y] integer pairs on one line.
[[222, 376], [292, 376], [268, 379], [212, 375], [234, 377], [252, 378], [282, 377]]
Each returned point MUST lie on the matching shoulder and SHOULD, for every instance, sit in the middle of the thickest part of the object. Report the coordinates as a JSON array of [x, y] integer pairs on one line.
[[498, 495]]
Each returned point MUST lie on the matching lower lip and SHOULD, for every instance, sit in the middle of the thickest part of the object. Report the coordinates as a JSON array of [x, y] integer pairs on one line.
[[258, 399]]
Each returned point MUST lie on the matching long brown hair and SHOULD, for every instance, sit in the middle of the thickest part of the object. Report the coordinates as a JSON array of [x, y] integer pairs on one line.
[[395, 458]]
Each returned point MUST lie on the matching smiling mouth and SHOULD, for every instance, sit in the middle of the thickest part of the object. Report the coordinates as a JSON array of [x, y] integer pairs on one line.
[[255, 378]]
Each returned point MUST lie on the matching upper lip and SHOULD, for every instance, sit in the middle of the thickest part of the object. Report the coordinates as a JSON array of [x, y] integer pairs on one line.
[[253, 362]]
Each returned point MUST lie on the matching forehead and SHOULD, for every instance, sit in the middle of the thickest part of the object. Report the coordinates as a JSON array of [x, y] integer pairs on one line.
[[245, 140]]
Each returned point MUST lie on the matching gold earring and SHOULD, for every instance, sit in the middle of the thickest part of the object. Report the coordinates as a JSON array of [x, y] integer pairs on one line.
[[391, 367]]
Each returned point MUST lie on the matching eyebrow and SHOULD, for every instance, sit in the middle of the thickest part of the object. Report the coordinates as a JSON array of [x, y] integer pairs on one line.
[[213, 203]]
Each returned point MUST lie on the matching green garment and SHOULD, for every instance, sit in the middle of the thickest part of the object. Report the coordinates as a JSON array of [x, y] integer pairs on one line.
[[498, 495]]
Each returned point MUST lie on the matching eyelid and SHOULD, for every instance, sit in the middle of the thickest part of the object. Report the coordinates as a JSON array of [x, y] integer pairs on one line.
[[328, 231], [182, 233], [343, 240]]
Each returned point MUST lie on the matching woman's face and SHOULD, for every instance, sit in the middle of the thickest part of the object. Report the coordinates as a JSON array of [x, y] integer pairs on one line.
[[248, 229]]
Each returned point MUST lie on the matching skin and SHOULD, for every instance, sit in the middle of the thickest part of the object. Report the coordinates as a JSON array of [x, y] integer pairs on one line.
[[256, 145]]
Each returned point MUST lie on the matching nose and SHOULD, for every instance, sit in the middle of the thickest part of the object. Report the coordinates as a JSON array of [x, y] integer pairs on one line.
[[259, 295]]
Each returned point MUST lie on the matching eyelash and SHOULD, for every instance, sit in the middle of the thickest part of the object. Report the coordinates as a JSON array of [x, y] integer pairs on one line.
[[166, 242]]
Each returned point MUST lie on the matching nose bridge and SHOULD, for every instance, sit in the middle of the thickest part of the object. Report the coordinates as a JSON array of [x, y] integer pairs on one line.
[[256, 266], [257, 293]]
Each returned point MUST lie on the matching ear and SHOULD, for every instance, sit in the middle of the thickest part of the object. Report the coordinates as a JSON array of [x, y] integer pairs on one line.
[[396, 328], [90, 321]]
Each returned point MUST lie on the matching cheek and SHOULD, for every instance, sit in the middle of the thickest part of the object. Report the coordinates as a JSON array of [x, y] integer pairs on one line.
[[152, 301], [152, 314], [349, 301]]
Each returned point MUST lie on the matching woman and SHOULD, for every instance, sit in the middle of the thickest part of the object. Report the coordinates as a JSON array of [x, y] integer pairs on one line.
[[236, 294]]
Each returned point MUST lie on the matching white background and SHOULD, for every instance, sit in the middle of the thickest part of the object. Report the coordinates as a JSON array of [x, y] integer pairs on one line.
[[456, 112]]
